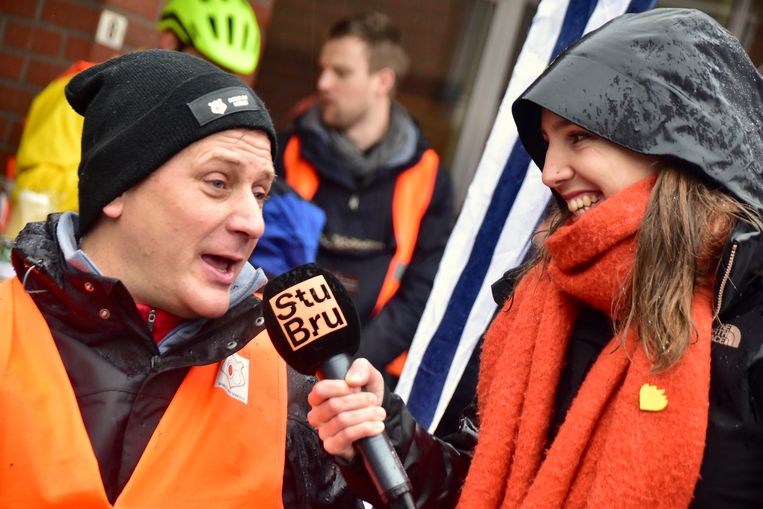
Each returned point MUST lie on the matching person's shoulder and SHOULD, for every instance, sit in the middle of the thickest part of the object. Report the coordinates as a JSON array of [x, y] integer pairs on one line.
[[424, 146], [283, 137]]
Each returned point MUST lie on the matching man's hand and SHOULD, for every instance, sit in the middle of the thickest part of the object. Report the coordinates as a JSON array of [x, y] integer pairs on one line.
[[342, 413]]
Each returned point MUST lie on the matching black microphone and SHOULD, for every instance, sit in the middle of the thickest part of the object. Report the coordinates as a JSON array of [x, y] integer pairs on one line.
[[314, 326]]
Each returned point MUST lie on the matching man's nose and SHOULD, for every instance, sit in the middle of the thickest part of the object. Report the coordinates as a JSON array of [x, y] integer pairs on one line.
[[247, 218], [324, 80]]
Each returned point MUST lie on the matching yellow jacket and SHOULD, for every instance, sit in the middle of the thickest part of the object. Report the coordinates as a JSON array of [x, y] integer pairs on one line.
[[47, 157]]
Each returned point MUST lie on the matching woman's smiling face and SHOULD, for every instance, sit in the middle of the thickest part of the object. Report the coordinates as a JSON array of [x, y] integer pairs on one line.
[[584, 168]]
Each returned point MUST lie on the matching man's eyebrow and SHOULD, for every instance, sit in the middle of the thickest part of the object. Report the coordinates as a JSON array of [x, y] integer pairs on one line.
[[271, 174], [267, 168]]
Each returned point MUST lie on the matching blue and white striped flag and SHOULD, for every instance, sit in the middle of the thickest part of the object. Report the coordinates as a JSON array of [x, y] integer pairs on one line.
[[503, 206]]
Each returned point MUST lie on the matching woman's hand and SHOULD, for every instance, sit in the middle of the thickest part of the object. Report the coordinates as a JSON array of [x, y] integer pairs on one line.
[[342, 413]]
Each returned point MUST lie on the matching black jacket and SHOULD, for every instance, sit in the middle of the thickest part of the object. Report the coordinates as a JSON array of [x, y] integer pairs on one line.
[[358, 240], [123, 384]]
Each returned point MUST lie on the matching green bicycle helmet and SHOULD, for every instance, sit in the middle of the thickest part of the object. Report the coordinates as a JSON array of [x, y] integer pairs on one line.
[[224, 31]]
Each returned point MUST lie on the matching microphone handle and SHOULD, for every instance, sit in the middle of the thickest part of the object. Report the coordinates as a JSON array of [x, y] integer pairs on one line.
[[379, 456], [391, 481], [335, 367]]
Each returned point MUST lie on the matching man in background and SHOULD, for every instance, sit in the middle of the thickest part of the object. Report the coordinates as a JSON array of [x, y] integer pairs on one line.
[[359, 155]]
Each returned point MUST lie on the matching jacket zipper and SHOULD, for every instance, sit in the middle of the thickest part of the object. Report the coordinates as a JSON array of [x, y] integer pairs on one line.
[[151, 320], [724, 280], [155, 359]]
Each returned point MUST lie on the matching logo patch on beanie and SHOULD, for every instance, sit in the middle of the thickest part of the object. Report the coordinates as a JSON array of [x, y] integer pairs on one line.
[[222, 102], [217, 106]]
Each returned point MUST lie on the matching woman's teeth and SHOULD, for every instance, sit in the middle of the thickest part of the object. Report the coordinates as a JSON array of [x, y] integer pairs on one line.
[[582, 204]]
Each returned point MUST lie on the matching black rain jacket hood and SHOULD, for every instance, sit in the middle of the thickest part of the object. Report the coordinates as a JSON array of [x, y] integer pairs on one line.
[[667, 82]]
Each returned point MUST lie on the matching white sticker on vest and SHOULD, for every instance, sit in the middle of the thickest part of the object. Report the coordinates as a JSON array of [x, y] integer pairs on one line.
[[233, 377]]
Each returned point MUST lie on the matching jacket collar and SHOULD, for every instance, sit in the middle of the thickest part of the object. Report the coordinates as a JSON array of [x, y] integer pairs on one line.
[[77, 299], [740, 269]]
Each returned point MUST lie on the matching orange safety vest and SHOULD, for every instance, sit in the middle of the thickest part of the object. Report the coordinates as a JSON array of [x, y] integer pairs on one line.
[[413, 193], [209, 449]]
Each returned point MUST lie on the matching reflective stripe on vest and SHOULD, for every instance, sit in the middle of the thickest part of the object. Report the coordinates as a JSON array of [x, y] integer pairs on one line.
[[209, 449]]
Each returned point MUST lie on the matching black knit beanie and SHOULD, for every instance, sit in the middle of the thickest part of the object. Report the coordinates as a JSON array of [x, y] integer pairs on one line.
[[141, 109]]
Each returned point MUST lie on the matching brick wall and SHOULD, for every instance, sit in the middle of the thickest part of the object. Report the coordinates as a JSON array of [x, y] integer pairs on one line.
[[39, 39], [288, 71]]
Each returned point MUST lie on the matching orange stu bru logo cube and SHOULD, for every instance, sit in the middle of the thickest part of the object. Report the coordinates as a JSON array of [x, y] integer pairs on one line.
[[307, 311]]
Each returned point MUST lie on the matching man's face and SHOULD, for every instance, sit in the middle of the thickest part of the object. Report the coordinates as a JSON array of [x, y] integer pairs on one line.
[[184, 233], [347, 90]]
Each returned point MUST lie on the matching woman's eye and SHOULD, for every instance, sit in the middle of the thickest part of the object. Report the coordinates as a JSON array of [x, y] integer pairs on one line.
[[217, 184], [579, 136]]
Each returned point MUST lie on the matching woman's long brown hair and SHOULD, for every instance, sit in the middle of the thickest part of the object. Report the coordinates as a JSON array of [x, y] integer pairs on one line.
[[679, 246]]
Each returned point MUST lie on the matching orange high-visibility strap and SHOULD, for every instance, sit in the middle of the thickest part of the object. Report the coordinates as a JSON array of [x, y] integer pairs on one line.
[[395, 368], [209, 449], [299, 173], [413, 193]]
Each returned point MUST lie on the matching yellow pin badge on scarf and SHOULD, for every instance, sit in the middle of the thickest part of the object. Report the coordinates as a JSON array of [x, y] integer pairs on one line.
[[652, 399]]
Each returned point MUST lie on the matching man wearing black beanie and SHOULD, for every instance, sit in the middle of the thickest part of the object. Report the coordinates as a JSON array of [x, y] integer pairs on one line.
[[135, 370]]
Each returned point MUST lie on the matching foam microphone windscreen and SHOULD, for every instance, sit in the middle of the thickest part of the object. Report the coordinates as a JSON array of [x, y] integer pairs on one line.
[[310, 317]]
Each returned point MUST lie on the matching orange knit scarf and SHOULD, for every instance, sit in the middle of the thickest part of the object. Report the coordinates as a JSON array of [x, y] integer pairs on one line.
[[608, 452]]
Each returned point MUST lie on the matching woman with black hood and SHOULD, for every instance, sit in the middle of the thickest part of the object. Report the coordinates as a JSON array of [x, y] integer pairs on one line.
[[626, 368]]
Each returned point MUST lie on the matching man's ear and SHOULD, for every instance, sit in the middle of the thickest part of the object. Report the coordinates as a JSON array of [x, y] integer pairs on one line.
[[168, 40], [115, 207], [386, 79]]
